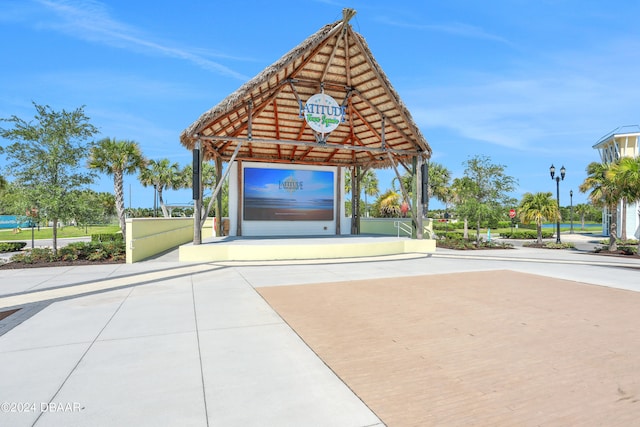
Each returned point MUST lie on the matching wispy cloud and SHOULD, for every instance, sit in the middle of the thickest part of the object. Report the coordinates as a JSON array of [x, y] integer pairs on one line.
[[90, 20], [545, 104], [453, 28]]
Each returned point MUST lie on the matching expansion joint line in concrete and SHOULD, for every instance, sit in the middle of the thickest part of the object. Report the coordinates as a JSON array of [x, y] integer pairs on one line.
[[195, 319], [58, 293], [84, 354]]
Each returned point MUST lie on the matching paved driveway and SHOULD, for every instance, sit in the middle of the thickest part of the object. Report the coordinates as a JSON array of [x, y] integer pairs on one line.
[[168, 343]]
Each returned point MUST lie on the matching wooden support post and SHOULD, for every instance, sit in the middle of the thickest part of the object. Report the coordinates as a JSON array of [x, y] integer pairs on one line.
[[405, 195], [219, 184], [338, 199], [417, 191], [197, 193], [218, 162], [239, 174], [355, 200]]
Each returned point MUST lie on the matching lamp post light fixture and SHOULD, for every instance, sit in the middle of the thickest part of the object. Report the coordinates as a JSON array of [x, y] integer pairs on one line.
[[552, 171], [571, 198]]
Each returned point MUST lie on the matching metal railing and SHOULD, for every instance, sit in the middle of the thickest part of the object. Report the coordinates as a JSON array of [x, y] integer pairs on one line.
[[404, 227]]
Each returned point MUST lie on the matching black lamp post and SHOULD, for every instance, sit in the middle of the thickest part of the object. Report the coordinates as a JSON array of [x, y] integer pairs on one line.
[[571, 198], [552, 170]]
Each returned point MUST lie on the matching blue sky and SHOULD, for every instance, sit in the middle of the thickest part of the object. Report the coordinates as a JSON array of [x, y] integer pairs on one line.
[[527, 83]]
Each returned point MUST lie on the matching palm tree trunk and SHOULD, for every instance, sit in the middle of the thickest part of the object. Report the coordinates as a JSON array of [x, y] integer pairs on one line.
[[119, 193], [638, 251], [539, 230], [623, 234], [478, 232], [165, 213], [613, 228], [465, 233]]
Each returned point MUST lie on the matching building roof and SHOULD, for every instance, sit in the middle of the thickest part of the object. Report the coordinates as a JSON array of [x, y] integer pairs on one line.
[[626, 130], [264, 114]]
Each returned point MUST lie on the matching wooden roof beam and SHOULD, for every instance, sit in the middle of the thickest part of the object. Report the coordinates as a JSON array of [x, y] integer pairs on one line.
[[389, 121], [356, 148], [347, 14], [387, 90]]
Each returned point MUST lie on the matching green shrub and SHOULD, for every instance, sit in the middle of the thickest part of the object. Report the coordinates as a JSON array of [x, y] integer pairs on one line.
[[91, 251], [449, 235], [463, 244], [443, 226], [12, 246], [35, 255], [504, 224], [107, 237], [525, 234], [500, 245], [554, 245], [628, 250]]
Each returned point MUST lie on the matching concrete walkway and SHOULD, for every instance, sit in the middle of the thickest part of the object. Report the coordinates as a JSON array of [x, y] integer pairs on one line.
[[168, 343]]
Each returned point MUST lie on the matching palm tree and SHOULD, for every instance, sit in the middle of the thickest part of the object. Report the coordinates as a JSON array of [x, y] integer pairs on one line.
[[603, 193], [117, 158], [405, 181], [438, 184], [369, 185], [626, 173], [460, 194], [389, 204], [162, 174], [537, 208], [582, 209]]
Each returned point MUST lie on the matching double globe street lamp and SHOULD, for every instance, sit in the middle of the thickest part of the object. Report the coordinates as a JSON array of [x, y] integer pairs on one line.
[[552, 171]]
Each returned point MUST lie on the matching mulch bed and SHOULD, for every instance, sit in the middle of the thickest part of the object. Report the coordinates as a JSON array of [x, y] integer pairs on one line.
[[617, 254], [18, 265]]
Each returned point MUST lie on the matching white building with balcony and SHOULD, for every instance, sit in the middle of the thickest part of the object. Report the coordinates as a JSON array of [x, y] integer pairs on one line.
[[621, 142]]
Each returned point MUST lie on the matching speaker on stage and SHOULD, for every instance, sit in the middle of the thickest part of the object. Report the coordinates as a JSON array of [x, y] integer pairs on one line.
[[425, 182], [196, 174]]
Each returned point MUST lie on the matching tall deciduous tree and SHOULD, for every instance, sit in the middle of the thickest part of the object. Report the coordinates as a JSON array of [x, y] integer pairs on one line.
[[488, 189], [117, 158], [537, 208], [603, 192], [162, 174], [45, 158]]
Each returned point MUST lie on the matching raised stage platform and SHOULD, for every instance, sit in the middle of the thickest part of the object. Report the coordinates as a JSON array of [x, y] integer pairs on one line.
[[301, 248]]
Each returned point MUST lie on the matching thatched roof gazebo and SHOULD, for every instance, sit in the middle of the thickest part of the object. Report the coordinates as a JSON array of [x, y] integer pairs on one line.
[[263, 121]]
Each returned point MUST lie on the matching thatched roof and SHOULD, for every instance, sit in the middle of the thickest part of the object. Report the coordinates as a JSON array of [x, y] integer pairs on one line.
[[263, 114]]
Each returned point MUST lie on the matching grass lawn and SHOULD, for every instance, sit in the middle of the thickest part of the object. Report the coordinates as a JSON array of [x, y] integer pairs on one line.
[[47, 233]]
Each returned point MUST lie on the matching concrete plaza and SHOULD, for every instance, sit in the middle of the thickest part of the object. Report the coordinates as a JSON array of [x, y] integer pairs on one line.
[[168, 343]]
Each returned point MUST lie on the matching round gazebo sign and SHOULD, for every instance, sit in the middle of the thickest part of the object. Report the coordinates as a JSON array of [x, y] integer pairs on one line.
[[322, 113]]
